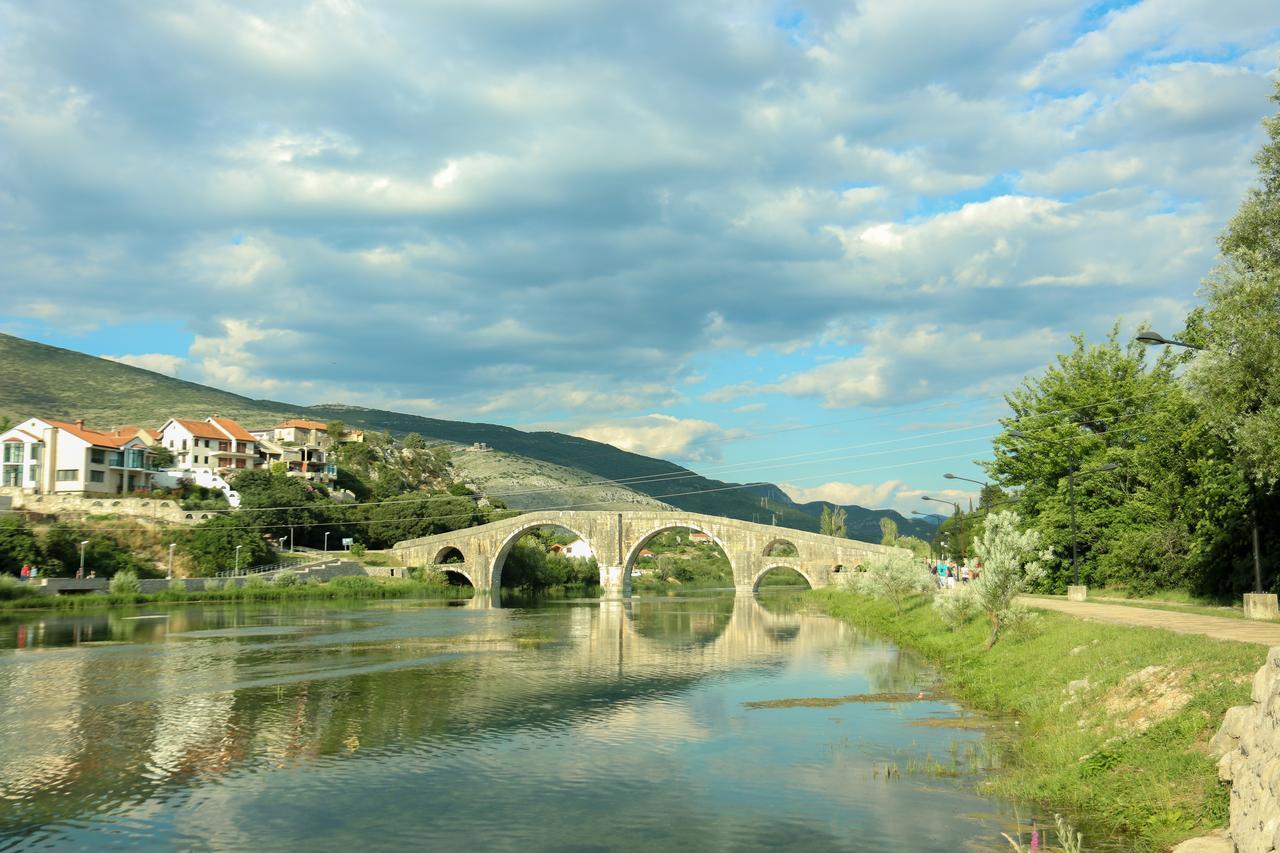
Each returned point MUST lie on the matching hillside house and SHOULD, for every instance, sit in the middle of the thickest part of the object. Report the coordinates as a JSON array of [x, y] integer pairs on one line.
[[576, 548], [56, 457], [216, 443]]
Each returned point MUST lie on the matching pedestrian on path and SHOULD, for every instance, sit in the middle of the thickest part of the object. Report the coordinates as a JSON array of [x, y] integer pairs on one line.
[[25, 574]]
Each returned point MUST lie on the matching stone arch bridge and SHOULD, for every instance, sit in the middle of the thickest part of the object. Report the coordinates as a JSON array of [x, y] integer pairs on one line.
[[616, 539]]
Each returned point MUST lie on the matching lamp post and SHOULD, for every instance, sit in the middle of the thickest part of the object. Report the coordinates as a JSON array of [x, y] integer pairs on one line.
[[1071, 490], [1151, 338], [960, 514], [1154, 339], [82, 544], [326, 540], [291, 537], [172, 545], [236, 571]]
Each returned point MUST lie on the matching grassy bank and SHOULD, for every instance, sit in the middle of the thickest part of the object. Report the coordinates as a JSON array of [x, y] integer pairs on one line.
[[338, 588], [1125, 754]]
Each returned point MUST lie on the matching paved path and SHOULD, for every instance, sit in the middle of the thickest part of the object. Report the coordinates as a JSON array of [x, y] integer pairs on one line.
[[1218, 627]]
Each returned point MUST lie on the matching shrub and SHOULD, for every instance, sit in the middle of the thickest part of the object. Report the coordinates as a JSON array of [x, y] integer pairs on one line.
[[11, 588], [957, 606], [357, 550], [125, 583], [177, 585], [254, 582], [1007, 566], [213, 585], [354, 584], [893, 577], [286, 577]]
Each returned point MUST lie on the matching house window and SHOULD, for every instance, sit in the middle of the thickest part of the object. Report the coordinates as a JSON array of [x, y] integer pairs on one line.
[[184, 444], [97, 457], [96, 476], [34, 474], [37, 451], [13, 451], [224, 447], [13, 476], [67, 475], [117, 459]]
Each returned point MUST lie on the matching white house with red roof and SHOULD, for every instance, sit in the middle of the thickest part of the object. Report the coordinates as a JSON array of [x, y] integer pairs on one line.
[[215, 443], [59, 457]]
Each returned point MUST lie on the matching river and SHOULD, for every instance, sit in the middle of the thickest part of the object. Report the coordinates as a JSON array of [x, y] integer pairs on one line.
[[559, 725]]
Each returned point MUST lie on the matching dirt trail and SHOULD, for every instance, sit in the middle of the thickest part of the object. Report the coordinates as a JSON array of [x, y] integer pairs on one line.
[[1218, 627]]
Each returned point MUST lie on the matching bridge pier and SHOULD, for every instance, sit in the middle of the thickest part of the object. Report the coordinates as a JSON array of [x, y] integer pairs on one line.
[[614, 582]]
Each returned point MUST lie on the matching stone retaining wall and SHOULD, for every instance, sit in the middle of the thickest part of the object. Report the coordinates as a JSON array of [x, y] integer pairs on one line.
[[166, 511], [1249, 746]]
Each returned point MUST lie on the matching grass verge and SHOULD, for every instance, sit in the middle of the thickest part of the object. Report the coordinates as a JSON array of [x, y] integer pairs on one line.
[[344, 588], [1126, 755]]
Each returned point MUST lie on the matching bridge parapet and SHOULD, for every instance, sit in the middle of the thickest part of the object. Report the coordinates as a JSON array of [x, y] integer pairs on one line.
[[616, 538]]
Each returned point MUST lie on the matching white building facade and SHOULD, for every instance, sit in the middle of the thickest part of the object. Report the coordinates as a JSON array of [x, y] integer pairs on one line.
[[57, 457]]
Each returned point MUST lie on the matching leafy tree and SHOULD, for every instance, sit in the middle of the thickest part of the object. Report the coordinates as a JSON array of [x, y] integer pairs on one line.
[[275, 503], [888, 531], [1097, 405], [917, 546], [18, 544], [1007, 567], [413, 515], [102, 553], [335, 429], [413, 441], [831, 522], [211, 545], [161, 456]]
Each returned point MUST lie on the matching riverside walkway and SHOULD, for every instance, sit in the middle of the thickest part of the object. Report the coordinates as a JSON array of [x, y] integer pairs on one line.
[[1217, 627]]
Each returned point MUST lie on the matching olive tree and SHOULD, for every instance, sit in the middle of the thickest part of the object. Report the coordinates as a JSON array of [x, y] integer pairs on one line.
[[895, 577], [1009, 563]]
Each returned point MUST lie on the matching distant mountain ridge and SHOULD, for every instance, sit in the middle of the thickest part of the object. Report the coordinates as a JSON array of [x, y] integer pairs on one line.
[[55, 382]]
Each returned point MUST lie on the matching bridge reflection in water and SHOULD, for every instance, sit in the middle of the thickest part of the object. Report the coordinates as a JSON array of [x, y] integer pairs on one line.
[[101, 713]]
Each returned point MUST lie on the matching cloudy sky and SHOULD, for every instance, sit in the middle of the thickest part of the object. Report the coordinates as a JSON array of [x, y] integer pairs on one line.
[[805, 242]]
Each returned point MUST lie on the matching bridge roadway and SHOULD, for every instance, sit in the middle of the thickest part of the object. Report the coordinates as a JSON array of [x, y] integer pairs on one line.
[[616, 539]]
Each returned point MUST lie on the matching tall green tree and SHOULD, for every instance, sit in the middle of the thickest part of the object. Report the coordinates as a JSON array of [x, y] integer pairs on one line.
[[888, 531], [831, 522], [1145, 524], [1236, 379], [211, 545], [18, 544]]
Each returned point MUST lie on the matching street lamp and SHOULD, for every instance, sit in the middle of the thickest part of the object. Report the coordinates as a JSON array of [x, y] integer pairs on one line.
[[82, 544], [290, 537], [326, 540], [172, 545], [982, 483], [1071, 489], [958, 513], [237, 568], [1155, 339]]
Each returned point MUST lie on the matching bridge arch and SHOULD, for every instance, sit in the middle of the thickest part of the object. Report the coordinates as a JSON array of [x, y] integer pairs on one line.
[[633, 553], [769, 567], [447, 554], [778, 546], [500, 558]]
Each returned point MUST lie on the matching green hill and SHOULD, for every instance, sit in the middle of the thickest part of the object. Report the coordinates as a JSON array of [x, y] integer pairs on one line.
[[59, 383]]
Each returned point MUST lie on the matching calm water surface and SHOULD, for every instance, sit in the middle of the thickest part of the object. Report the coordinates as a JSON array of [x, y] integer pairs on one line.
[[582, 725]]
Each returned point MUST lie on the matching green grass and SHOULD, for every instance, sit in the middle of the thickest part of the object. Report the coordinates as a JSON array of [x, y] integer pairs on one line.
[[338, 588], [1156, 787]]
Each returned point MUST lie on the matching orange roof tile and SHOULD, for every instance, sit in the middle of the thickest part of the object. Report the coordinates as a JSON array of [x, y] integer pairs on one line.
[[238, 432], [92, 436], [298, 423], [200, 429]]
